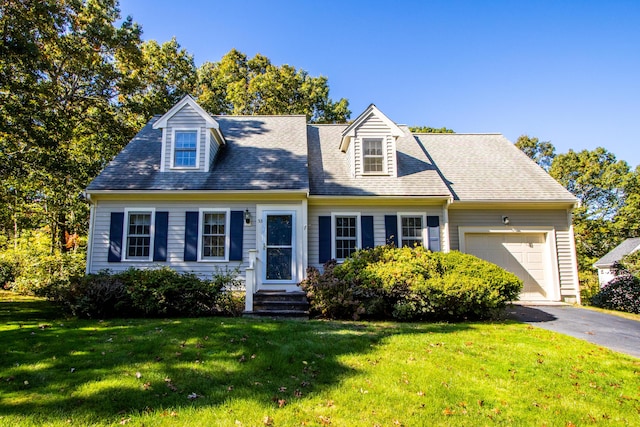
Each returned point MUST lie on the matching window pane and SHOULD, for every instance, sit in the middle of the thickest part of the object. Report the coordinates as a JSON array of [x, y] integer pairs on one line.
[[185, 149], [213, 235], [373, 158], [346, 236], [186, 139], [139, 235], [411, 230]]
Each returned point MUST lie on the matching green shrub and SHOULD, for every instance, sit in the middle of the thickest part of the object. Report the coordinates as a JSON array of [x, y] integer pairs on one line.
[[622, 293], [161, 292], [410, 284]]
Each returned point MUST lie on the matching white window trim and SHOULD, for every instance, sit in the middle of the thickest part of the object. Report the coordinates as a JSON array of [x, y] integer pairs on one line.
[[173, 145], [227, 234], [385, 166], [424, 227], [333, 232], [125, 233]]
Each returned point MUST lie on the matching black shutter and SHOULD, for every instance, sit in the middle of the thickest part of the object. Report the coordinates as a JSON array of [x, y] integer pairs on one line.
[[160, 237], [191, 236], [324, 239], [115, 236], [366, 223], [391, 229], [433, 231], [236, 235]]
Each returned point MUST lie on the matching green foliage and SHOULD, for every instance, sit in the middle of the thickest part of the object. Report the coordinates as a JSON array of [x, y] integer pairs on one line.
[[31, 266], [631, 263], [542, 153], [159, 292], [622, 293], [598, 181], [589, 285], [429, 129], [410, 284], [242, 86]]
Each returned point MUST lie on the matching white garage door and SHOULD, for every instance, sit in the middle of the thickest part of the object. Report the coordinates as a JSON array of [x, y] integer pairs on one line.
[[520, 253]]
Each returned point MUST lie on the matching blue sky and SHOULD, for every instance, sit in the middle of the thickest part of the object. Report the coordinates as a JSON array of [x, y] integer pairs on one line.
[[563, 71]]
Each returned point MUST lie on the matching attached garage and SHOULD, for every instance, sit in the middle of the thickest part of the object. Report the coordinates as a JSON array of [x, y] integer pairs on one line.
[[529, 254]]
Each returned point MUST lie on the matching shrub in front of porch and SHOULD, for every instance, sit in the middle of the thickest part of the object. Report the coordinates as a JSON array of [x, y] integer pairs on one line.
[[160, 292], [410, 284]]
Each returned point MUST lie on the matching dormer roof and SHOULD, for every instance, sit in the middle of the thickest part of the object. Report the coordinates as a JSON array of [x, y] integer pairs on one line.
[[350, 131], [162, 122]]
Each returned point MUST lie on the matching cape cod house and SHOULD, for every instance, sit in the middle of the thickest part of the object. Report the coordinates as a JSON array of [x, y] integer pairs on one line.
[[275, 194]]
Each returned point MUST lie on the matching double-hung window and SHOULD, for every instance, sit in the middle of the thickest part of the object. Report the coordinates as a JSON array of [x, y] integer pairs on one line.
[[214, 241], [138, 235], [346, 236], [372, 155], [185, 149], [411, 230]]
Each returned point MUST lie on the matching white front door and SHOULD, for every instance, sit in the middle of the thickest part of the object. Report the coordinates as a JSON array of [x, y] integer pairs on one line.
[[279, 244]]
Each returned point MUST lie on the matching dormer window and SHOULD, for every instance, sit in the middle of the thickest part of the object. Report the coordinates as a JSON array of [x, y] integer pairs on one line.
[[373, 157], [185, 149]]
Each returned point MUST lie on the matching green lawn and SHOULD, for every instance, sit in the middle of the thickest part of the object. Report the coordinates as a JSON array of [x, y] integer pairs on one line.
[[241, 372]]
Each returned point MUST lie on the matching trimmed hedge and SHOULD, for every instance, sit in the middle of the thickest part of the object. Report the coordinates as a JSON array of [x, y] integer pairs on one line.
[[410, 284], [159, 292]]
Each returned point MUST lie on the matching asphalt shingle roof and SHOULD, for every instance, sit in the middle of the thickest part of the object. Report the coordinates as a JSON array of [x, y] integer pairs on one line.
[[284, 153], [617, 253], [489, 167], [262, 153], [329, 172]]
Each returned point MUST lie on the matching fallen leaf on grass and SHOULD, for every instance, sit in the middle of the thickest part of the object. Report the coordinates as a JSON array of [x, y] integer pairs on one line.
[[267, 420], [193, 396], [325, 421], [138, 375], [281, 403], [125, 421], [448, 411]]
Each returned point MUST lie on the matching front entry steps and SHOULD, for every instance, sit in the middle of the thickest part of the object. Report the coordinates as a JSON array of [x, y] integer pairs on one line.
[[279, 304]]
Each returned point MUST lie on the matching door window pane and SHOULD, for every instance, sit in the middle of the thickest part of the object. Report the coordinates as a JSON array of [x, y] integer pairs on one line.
[[279, 264], [279, 230]]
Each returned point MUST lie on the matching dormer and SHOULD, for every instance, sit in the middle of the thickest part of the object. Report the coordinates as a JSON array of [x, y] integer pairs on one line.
[[370, 144], [191, 138]]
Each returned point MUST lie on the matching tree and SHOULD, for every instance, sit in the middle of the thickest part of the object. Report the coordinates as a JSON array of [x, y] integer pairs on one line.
[[542, 153], [237, 85], [58, 121], [154, 78], [627, 220], [428, 129], [598, 180]]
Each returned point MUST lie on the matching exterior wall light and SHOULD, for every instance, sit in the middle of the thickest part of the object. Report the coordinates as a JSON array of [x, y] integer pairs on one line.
[[505, 220], [247, 217]]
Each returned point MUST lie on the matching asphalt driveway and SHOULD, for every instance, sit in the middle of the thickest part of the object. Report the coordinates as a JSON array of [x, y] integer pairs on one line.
[[614, 332]]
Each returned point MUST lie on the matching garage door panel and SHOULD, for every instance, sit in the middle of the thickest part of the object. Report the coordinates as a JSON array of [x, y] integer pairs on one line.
[[520, 253]]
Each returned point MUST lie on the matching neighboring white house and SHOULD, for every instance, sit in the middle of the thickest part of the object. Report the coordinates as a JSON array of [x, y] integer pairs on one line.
[[275, 194], [605, 264]]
